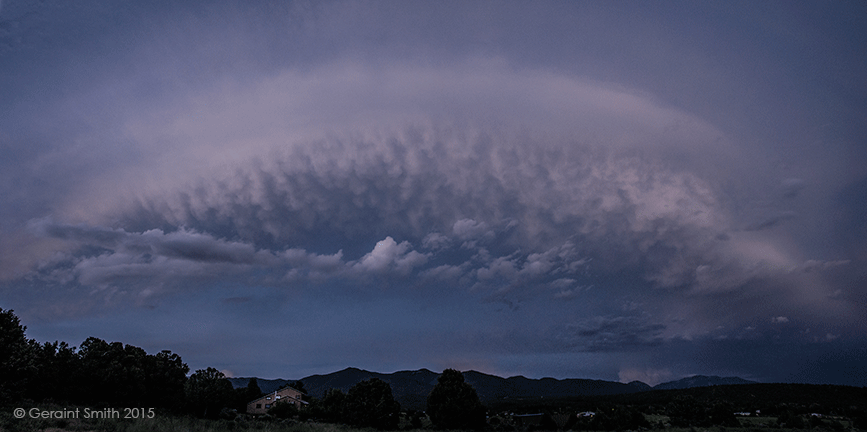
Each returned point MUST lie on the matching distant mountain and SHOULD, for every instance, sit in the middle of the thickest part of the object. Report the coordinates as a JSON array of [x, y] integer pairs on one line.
[[520, 394], [639, 386], [411, 388], [495, 389], [701, 381]]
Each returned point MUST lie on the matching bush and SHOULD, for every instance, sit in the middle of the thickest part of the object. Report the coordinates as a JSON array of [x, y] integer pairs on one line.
[[284, 410]]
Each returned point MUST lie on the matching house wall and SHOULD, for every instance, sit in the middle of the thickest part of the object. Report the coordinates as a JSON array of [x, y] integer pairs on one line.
[[284, 395]]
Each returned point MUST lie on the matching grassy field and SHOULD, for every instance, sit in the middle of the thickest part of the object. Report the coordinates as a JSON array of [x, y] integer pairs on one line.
[[163, 424], [186, 424], [166, 423]]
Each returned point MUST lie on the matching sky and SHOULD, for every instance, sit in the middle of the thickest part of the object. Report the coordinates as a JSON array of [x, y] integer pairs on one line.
[[607, 190]]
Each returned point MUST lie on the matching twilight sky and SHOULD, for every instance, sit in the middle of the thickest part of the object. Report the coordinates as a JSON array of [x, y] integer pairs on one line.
[[610, 190]]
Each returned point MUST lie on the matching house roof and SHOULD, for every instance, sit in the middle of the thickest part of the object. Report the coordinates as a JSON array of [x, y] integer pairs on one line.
[[276, 392]]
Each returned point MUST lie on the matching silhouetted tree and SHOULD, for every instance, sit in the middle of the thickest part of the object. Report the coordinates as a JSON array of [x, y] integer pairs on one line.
[[112, 373], [244, 395], [166, 377], [56, 366], [330, 407], [454, 404], [370, 403], [98, 374], [207, 392], [16, 357], [253, 390]]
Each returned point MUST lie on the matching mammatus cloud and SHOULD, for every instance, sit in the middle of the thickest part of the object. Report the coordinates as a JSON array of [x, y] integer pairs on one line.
[[494, 176], [623, 197], [426, 181], [515, 210]]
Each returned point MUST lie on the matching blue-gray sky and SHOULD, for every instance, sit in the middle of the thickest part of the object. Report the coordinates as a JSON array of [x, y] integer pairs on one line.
[[612, 190]]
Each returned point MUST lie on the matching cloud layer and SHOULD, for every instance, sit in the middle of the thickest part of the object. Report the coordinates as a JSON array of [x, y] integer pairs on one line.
[[526, 189]]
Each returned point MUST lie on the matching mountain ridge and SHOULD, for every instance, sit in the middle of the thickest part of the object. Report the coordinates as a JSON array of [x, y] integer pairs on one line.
[[410, 388]]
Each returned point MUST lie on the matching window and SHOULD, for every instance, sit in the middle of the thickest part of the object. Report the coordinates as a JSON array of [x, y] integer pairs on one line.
[[258, 405], [268, 398], [267, 405], [278, 397]]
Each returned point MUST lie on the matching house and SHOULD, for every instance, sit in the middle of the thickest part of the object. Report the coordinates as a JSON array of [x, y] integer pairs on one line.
[[283, 395]]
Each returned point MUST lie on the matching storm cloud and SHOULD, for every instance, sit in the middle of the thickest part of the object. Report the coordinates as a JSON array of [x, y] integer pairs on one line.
[[515, 188]]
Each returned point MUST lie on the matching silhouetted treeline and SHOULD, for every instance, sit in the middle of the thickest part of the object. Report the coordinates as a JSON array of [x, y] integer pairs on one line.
[[102, 374], [770, 399], [792, 404], [369, 403], [99, 373], [452, 404]]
